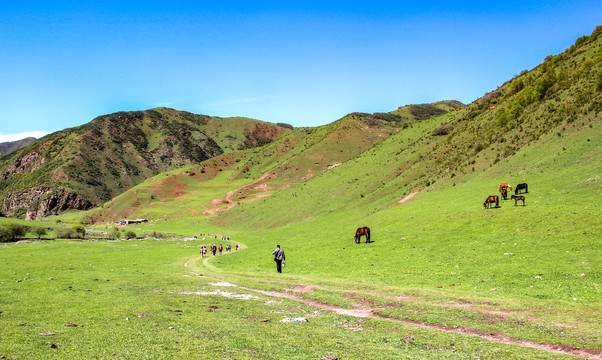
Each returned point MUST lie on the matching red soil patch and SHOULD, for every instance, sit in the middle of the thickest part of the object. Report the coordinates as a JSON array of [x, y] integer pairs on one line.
[[408, 197]]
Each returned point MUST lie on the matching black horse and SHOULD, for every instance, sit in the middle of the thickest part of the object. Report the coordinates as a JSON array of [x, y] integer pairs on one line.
[[522, 186], [362, 231]]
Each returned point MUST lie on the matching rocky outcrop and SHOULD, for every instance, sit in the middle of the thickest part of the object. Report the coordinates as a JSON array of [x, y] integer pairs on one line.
[[34, 203]]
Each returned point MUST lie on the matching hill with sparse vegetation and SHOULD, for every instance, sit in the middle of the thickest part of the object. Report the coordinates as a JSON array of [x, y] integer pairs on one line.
[[82, 167]]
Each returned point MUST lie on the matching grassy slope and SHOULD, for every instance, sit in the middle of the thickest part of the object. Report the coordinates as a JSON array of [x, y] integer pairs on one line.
[[295, 158]]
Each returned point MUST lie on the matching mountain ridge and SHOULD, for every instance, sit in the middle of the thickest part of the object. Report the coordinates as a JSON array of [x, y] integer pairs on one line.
[[81, 167], [10, 146], [560, 96]]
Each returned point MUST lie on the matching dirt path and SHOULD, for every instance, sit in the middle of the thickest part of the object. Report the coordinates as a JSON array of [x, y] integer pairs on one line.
[[408, 197], [370, 312], [229, 195]]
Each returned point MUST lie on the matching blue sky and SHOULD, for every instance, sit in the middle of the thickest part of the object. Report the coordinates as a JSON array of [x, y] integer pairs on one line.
[[303, 63]]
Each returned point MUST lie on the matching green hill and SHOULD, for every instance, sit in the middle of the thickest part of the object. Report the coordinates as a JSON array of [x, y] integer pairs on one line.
[[239, 178], [560, 98], [82, 167], [10, 146]]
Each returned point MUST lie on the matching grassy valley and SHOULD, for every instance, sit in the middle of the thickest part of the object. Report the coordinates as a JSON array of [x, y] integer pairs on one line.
[[443, 278]]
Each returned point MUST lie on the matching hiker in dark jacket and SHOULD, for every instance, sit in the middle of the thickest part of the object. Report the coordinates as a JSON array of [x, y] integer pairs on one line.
[[278, 258]]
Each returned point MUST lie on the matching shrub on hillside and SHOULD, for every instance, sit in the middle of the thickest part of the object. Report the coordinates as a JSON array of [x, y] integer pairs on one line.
[[130, 235], [443, 129]]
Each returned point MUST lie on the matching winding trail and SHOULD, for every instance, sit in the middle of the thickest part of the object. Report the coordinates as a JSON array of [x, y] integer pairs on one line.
[[370, 312]]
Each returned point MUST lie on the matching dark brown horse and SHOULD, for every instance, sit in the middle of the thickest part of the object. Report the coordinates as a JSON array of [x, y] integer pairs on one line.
[[504, 193], [522, 186], [517, 199], [362, 231], [490, 200]]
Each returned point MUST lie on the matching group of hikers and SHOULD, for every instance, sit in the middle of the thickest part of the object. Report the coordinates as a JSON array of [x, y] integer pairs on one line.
[[278, 253], [216, 249], [224, 237]]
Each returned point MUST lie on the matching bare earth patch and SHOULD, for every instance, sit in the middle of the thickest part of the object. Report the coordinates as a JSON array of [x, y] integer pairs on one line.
[[408, 197]]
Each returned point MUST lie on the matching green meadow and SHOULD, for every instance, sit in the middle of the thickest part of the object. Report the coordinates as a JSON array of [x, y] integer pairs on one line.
[[526, 272]]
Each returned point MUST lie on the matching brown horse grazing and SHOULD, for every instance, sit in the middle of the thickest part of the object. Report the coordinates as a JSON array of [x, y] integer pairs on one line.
[[522, 186], [490, 200], [504, 193], [517, 199], [362, 231]]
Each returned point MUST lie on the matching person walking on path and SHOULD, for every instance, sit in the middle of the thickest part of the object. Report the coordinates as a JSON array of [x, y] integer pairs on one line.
[[278, 258]]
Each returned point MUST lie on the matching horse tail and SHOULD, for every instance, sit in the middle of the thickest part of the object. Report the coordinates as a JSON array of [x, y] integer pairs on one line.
[[526, 188], [368, 233], [497, 201]]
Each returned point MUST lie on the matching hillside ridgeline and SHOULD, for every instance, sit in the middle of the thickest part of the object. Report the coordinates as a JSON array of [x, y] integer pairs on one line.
[[236, 178], [82, 167], [10, 146], [371, 161]]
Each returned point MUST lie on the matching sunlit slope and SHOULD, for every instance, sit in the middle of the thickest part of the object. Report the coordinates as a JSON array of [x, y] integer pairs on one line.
[[556, 100], [242, 177], [366, 163]]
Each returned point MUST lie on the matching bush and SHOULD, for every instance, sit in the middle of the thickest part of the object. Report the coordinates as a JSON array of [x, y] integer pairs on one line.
[[12, 232], [157, 235], [130, 234], [79, 231], [444, 129], [64, 233], [40, 231], [4, 234], [115, 233]]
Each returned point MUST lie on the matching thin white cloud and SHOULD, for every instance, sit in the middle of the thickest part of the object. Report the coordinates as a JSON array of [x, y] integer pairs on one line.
[[20, 136]]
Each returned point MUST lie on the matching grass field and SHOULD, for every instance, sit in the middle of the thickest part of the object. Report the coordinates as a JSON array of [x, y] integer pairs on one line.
[[135, 299]]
